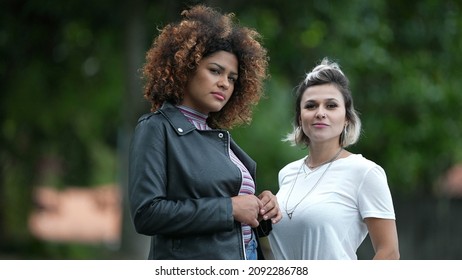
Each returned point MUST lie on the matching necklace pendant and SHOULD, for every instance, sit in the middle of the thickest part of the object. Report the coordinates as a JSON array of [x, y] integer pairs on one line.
[[290, 215]]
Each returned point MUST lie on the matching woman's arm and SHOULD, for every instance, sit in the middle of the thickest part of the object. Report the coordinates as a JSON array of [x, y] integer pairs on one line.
[[153, 211], [384, 238]]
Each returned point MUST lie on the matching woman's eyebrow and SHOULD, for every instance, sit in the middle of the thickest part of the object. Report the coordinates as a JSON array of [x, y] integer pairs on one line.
[[223, 68]]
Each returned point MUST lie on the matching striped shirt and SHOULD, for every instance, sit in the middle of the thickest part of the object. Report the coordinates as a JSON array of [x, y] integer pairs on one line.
[[199, 120]]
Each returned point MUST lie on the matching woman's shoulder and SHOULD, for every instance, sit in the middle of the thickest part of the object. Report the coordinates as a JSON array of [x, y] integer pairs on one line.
[[153, 118], [360, 167], [292, 165], [150, 123], [167, 109], [359, 161], [145, 117]]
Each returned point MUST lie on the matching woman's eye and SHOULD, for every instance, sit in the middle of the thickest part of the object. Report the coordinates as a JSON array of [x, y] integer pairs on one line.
[[215, 71], [310, 106], [332, 106]]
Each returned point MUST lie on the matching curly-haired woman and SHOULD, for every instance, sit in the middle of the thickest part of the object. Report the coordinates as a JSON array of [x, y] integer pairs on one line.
[[191, 187]]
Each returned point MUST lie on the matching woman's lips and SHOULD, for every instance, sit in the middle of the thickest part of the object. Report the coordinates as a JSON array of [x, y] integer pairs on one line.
[[320, 125], [219, 95]]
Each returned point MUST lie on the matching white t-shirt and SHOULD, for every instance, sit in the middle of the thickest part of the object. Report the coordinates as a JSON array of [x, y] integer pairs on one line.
[[328, 223]]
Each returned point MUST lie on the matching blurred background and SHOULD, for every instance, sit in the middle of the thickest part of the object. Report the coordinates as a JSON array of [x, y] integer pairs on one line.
[[70, 95]]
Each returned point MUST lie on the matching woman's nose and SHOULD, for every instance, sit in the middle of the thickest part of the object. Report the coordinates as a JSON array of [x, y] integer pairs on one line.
[[320, 114], [224, 83]]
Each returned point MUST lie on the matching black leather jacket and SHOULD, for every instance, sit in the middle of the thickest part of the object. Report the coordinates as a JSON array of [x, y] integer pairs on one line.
[[181, 181]]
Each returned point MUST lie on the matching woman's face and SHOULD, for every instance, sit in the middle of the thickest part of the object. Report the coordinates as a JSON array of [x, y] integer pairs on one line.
[[211, 86], [322, 113]]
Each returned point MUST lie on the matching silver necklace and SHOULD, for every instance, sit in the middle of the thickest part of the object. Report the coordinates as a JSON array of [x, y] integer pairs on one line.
[[310, 169], [291, 211]]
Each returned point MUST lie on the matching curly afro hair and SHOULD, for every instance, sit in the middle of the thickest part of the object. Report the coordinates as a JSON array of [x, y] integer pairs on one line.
[[178, 49]]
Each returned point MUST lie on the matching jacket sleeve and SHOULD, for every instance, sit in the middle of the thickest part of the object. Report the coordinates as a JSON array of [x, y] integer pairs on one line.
[[151, 210]]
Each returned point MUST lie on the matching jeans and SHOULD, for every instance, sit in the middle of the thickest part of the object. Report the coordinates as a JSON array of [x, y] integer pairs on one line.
[[251, 249]]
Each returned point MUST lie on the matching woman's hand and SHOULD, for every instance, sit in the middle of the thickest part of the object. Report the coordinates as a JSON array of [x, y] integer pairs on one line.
[[246, 209], [270, 209]]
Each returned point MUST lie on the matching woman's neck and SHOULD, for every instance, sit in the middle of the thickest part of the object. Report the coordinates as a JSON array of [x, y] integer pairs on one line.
[[319, 155]]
